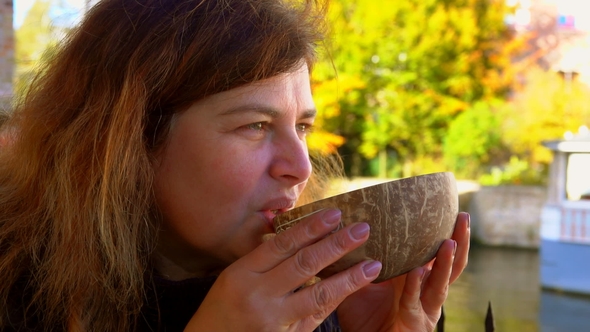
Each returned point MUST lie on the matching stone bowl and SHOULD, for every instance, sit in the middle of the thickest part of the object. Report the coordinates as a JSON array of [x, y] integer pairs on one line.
[[409, 218]]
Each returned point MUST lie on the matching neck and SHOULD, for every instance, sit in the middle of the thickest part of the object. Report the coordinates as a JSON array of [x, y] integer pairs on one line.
[[170, 269]]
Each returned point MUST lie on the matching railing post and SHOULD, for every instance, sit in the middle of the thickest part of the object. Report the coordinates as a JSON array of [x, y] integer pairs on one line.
[[490, 326], [489, 321], [440, 325]]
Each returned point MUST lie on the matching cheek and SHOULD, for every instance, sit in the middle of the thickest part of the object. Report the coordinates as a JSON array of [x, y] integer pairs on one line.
[[219, 172], [237, 170], [208, 173]]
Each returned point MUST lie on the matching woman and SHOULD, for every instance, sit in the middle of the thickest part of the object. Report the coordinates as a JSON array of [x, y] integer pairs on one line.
[[145, 164]]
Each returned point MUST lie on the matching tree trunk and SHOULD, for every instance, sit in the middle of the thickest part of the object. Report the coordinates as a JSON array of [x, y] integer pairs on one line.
[[383, 163], [6, 53]]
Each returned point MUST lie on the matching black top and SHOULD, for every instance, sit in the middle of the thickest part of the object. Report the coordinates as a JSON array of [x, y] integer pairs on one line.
[[169, 307], [179, 300]]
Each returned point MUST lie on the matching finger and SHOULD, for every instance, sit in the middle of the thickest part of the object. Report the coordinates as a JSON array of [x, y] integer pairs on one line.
[[436, 284], [307, 262], [409, 302], [429, 264], [461, 235], [324, 297], [309, 230]]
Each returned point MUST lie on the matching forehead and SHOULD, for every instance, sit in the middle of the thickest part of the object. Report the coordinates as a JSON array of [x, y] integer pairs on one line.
[[282, 91]]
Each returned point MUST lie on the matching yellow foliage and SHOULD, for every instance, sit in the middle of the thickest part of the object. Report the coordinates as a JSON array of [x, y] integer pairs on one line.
[[324, 142], [545, 109], [327, 93]]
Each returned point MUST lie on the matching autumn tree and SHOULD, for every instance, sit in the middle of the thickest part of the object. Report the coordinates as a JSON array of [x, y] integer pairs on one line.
[[397, 74], [549, 105], [44, 25], [32, 38]]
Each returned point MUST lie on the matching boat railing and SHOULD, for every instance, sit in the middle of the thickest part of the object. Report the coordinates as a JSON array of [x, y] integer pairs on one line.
[[575, 224]]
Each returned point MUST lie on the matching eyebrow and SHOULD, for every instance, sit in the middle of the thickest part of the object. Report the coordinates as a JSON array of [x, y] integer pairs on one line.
[[269, 111]]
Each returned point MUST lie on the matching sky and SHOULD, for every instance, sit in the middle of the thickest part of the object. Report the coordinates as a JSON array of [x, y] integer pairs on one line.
[[71, 9]]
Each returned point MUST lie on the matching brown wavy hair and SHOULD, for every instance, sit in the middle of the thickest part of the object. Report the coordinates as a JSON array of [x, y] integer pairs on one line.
[[77, 216]]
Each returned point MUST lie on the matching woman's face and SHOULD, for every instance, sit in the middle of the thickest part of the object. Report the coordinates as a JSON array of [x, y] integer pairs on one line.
[[230, 162]]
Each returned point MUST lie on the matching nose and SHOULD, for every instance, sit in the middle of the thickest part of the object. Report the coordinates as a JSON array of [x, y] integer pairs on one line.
[[291, 163]]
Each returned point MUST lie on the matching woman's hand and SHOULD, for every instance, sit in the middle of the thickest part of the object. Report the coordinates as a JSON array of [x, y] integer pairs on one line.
[[257, 292], [411, 302]]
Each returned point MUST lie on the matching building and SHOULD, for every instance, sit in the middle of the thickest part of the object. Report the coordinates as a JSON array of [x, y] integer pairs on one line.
[[560, 31], [565, 218]]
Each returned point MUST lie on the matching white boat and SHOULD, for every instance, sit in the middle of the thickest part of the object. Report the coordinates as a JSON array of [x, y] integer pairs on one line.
[[565, 218]]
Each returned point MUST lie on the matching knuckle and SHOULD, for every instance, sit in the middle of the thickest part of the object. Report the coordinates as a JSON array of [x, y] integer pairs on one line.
[[442, 292], [283, 244], [305, 263], [413, 307], [322, 296], [310, 230], [340, 243], [354, 282], [321, 315]]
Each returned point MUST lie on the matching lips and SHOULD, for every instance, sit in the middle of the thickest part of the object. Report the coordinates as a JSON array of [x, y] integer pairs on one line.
[[269, 215], [275, 207]]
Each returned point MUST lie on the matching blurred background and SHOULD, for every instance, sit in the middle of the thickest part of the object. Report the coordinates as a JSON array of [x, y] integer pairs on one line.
[[476, 87]]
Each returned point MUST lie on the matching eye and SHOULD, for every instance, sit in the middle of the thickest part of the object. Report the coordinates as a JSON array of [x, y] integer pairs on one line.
[[254, 130], [258, 126], [304, 128]]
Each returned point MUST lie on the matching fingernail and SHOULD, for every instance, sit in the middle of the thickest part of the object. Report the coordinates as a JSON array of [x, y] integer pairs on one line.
[[468, 221], [332, 216], [359, 231], [372, 269], [454, 247]]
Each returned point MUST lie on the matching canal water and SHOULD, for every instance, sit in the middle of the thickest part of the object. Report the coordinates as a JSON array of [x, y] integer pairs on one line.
[[509, 280]]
